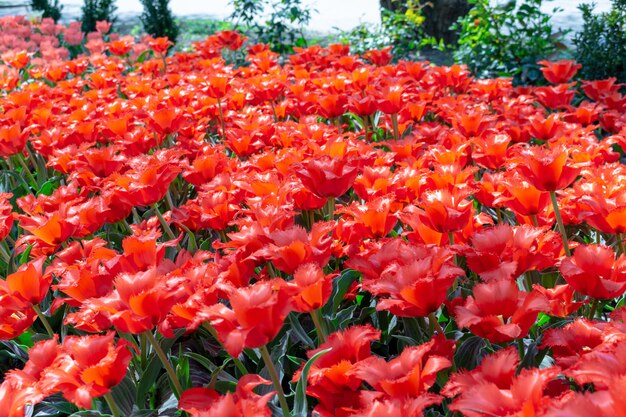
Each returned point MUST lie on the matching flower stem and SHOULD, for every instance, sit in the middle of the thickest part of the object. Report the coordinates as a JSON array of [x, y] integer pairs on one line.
[[44, 320], [329, 208], [434, 324], [593, 308], [223, 125], [178, 389], [276, 381], [164, 224], [316, 317], [620, 243], [534, 219], [559, 221], [115, 410], [20, 160], [207, 326], [394, 123]]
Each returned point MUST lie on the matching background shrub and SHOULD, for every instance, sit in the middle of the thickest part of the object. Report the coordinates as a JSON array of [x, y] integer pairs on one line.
[[279, 23], [400, 28], [601, 44], [157, 19], [49, 8], [95, 11], [507, 39]]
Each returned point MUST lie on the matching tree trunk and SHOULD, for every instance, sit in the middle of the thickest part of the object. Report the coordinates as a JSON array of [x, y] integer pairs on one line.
[[439, 15]]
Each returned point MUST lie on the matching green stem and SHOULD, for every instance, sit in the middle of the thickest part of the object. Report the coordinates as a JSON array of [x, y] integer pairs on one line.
[[521, 348], [394, 123], [4, 253], [164, 224], [219, 106], [168, 200], [20, 160], [126, 226], [434, 323], [44, 320], [365, 129], [499, 215], [330, 208], [207, 326], [316, 317], [223, 236], [534, 219], [115, 410], [338, 124], [559, 221], [265, 354], [620, 243], [178, 389], [592, 310]]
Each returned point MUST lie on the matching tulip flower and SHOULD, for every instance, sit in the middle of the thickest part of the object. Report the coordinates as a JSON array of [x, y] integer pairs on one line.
[[499, 311], [593, 271], [204, 402], [559, 72]]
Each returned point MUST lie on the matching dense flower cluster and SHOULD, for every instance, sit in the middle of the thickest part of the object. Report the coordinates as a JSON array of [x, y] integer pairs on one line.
[[372, 239]]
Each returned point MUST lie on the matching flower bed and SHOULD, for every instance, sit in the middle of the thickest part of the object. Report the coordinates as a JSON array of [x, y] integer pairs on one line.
[[335, 234]]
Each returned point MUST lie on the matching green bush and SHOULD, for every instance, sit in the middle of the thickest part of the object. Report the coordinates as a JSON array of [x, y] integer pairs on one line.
[[96, 11], [157, 19], [507, 40], [284, 27], [400, 30], [50, 9], [601, 44]]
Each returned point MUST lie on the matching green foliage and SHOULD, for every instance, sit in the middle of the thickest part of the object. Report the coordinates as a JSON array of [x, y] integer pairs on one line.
[[157, 19], [507, 39], [402, 31], [601, 44], [50, 8], [283, 27], [95, 11]]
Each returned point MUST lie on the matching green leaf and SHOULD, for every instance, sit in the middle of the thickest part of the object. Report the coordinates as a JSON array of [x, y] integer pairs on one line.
[[148, 380], [300, 402], [298, 331], [125, 395], [48, 187], [340, 288], [25, 255]]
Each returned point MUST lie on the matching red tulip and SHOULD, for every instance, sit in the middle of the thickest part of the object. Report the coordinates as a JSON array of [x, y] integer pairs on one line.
[[559, 72], [327, 176], [206, 402], [594, 271], [257, 315], [499, 311]]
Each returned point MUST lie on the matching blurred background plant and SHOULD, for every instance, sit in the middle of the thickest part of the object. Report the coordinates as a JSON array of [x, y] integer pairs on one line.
[[507, 39], [402, 28], [601, 44], [158, 20], [49, 8], [95, 11], [279, 23]]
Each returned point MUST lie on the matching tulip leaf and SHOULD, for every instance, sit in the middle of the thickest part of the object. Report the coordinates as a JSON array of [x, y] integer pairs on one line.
[[298, 331], [49, 186], [340, 288], [52, 406], [124, 395], [469, 354], [277, 353], [148, 380], [300, 402]]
